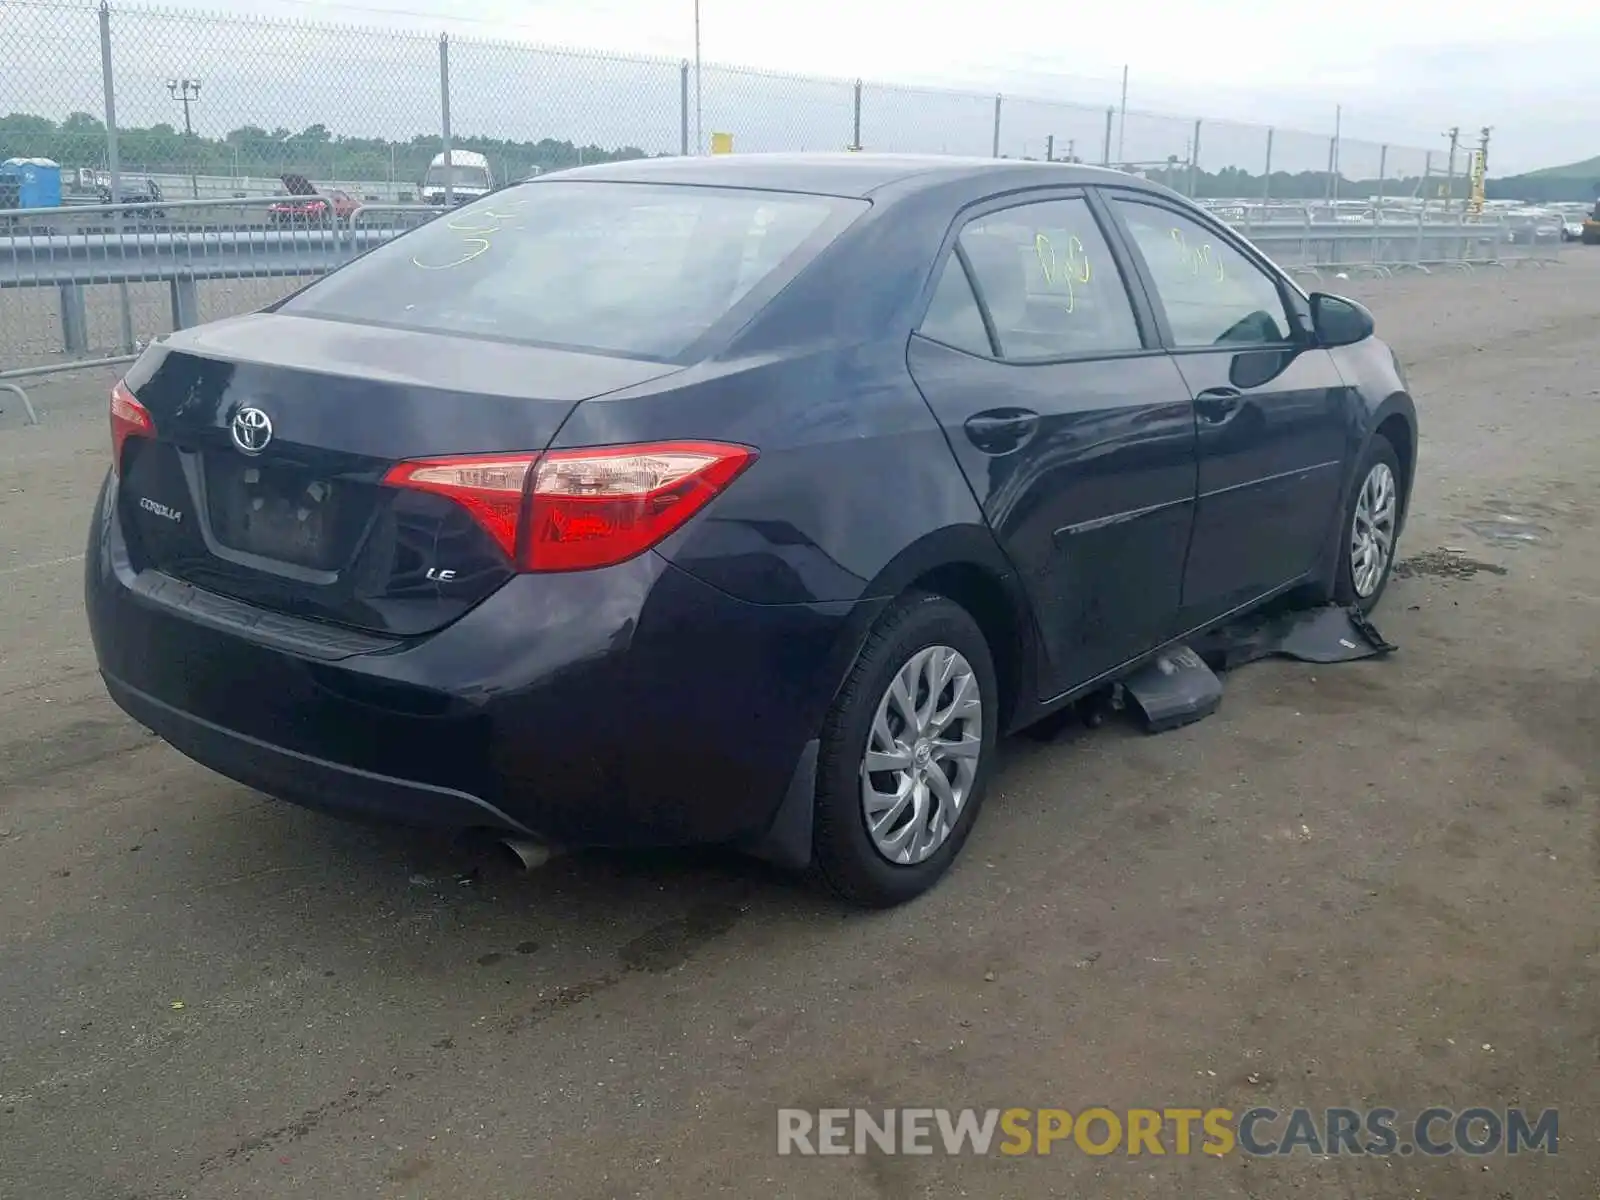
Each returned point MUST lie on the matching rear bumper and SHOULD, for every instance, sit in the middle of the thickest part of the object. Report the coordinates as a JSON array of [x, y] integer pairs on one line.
[[307, 780], [633, 706]]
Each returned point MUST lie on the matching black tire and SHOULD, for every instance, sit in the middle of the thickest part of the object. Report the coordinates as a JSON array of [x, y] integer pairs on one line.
[[844, 858], [1379, 451]]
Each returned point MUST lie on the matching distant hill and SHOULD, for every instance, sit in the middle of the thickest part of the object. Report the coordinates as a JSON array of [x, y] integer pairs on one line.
[[1574, 181], [1588, 171]]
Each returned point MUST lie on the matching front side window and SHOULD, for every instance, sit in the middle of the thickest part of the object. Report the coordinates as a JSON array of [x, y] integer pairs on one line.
[[1046, 276], [619, 268], [1213, 295]]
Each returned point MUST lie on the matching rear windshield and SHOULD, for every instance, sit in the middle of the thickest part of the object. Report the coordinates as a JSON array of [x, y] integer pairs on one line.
[[642, 271]]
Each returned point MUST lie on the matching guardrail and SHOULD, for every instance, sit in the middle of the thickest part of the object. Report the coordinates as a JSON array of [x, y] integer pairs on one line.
[[86, 284], [102, 261], [1391, 241]]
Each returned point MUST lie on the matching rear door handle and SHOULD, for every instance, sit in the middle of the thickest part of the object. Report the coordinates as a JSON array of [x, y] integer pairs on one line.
[[1001, 430], [1216, 405]]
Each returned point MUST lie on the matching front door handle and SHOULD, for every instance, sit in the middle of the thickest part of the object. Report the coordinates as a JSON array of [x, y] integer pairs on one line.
[[1216, 405], [1001, 430]]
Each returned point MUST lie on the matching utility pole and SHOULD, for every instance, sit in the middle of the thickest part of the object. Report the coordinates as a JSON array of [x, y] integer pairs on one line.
[[1049, 147], [187, 92], [1122, 119], [699, 132], [1333, 156], [1454, 134]]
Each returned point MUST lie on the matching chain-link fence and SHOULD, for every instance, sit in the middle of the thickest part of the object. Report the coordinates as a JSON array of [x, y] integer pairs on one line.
[[149, 111]]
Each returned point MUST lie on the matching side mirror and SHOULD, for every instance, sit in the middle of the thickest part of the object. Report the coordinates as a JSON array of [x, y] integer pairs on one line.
[[1337, 321]]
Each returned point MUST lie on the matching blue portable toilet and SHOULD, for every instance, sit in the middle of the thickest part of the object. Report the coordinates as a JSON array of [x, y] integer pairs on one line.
[[37, 181]]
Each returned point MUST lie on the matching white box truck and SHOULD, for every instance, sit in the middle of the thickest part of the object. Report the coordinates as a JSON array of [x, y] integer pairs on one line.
[[468, 175]]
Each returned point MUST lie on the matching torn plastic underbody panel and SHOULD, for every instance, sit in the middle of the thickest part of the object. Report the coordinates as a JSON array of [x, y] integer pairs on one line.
[[1181, 686]]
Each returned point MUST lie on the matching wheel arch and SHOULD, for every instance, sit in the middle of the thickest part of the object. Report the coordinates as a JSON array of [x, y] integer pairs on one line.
[[965, 564], [1396, 420]]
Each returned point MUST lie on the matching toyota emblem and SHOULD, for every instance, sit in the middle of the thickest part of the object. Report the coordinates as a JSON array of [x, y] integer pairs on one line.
[[252, 430]]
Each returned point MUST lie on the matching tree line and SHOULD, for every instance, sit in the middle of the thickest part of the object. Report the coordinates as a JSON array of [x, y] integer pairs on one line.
[[1546, 189], [318, 153], [80, 141]]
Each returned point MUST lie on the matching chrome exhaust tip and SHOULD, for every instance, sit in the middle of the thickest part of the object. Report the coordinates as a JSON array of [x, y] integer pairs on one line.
[[530, 855]]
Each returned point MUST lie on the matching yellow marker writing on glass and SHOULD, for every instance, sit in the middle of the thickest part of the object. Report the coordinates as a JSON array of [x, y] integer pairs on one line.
[[475, 243], [1200, 259], [1071, 273]]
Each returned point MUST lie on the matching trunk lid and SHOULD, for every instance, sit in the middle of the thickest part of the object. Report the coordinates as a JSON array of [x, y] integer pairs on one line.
[[298, 185], [273, 434]]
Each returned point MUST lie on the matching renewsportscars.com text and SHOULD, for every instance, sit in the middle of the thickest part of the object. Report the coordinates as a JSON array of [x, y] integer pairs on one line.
[[1257, 1131]]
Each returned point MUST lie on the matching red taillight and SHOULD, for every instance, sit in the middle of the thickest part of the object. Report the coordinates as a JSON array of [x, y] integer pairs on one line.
[[573, 510], [490, 487], [129, 419]]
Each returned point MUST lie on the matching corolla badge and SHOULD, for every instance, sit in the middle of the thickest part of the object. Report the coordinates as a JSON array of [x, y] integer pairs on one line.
[[252, 430]]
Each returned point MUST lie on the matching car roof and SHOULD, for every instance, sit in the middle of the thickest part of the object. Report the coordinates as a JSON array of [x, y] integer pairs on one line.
[[841, 174]]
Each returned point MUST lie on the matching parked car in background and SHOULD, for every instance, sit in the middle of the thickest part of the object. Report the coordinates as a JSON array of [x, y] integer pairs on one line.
[[311, 205], [744, 499], [1536, 225], [136, 189]]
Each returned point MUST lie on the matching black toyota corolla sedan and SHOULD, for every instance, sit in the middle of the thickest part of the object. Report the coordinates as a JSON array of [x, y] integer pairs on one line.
[[743, 500]]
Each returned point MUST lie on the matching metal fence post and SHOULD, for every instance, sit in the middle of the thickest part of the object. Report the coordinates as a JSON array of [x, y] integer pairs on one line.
[[996, 153], [1105, 153], [1266, 175], [185, 303], [1194, 161], [114, 165], [74, 319], [444, 119], [1383, 172], [683, 108], [855, 124]]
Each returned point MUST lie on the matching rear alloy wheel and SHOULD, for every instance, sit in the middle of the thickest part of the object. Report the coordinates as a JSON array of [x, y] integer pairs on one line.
[[922, 755], [1372, 528], [906, 752]]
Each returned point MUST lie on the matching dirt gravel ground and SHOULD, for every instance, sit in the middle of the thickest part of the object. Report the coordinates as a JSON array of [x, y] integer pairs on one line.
[[1367, 885]]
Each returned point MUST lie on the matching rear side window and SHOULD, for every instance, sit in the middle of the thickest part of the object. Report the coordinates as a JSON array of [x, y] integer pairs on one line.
[[953, 316], [616, 268], [1049, 282]]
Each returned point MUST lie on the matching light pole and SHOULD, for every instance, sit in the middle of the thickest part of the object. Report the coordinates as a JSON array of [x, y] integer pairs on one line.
[[699, 132], [187, 92]]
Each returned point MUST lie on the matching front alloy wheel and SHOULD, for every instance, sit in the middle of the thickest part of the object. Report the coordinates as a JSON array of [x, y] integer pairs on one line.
[[1373, 530], [922, 755]]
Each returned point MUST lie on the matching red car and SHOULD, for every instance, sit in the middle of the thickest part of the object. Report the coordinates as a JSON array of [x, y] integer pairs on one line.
[[309, 206]]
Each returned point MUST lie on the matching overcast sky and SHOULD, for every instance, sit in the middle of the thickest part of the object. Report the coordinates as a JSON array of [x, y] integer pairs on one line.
[[1402, 70]]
